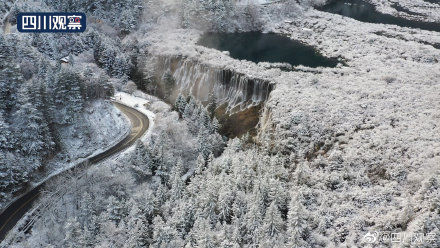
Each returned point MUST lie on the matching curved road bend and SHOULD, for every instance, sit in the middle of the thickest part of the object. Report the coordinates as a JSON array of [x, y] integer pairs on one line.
[[14, 212]]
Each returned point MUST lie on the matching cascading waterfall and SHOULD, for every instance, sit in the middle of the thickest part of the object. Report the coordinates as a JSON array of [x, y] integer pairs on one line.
[[236, 89]]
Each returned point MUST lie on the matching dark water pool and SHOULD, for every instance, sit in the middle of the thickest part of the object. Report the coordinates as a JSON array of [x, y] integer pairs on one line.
[[433, 1], [273, 48], [366, 12]]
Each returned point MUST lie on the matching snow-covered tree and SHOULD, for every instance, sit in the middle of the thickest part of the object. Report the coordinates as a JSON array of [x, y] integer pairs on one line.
[[141, 161], [73, 233], [273, 223], [215, 125], [202, 235], [180, 104], [176, 183], [296, 221], [200, 164], [189, 108], [212, 105], [11, 79], [6, 139], [116, 209], [211, 15], [168, 84], [108, 55], [205, 120], [183, 216], [205, 148], [12, 174], [68, 94], [88, 210], [163, 235], [125, 16], [137, 228], [161, 194], [32, 130], [225, 200], [254, 221]]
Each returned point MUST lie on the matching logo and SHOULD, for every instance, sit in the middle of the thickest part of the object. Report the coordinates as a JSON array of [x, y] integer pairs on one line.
[[413, 238], [370, 238], [39, 22]]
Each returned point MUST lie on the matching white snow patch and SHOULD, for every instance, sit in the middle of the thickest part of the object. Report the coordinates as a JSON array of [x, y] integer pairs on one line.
[[99, 128], [138, 100], [378, 113], [255, 2], [426, 11]]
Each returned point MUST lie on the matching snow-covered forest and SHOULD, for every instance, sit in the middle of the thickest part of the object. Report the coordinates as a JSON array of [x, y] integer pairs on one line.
[[337, 153], [46, 108]]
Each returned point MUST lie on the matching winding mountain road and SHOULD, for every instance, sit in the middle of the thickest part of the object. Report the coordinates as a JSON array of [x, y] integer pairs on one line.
[[15, 211]]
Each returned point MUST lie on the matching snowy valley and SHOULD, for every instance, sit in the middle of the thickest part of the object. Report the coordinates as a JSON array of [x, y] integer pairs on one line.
[[238, 153]]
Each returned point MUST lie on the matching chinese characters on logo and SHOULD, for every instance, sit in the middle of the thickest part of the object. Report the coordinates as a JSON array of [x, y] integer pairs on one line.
[[413, 238], [74, 22], [51, 22]]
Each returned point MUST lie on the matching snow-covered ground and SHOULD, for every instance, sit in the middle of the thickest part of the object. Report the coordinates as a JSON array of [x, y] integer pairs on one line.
[[371, 125], [100, 127], [140, 102], [257, 2], [97, 129], [363, 139], [378, 114], [105, 123], [426, 11]]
